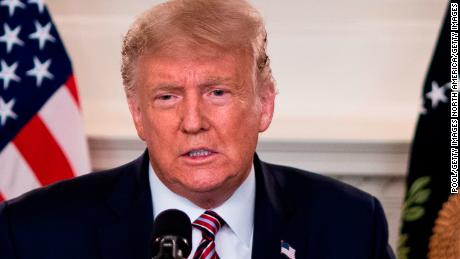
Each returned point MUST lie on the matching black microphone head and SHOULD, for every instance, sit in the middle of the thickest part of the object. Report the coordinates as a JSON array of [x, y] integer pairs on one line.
[[173, 222]]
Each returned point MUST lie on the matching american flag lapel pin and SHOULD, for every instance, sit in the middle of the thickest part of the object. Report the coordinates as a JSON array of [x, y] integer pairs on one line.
[[287, 250]]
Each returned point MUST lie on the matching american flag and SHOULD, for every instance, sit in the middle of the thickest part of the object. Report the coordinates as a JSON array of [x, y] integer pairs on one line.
[[41, 133], [287, 250]]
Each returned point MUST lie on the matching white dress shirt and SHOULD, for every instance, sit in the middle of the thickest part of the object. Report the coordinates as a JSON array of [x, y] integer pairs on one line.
[[234, 240]]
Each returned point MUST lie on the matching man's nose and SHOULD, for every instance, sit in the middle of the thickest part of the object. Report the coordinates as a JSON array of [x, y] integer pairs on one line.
[[193, 117]]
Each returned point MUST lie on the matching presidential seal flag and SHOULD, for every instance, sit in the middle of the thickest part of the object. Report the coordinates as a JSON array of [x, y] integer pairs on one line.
[[429, 178], [41, 134]]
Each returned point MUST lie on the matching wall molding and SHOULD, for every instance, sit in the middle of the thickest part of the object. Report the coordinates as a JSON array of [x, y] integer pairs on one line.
[[336, 159]]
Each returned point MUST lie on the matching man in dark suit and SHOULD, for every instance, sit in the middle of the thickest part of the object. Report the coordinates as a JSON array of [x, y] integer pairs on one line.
[[200, 90]]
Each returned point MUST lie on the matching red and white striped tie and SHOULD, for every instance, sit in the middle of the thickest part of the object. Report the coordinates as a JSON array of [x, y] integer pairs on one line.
[[209, 223]]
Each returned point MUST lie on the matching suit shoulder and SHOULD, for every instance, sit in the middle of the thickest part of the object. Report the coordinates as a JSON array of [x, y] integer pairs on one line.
[[305, 185], [86, 189]]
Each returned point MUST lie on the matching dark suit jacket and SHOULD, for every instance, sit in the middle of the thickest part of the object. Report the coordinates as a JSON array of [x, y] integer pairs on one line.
[[108, 215]]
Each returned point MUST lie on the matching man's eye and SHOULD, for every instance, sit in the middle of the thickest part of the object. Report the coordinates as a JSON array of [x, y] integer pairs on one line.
[[165, 97], [218, 92]]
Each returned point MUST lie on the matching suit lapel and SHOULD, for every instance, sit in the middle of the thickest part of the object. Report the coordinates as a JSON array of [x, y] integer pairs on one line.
[[270, 215], [126, 228]]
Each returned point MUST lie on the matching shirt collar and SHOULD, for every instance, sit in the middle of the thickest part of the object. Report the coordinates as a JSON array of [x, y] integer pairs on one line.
[[237, 211]]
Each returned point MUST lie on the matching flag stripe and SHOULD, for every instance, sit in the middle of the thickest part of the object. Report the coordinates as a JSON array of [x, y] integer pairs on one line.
[[16, 177], [42, 152], [63, 119], [72, 87]]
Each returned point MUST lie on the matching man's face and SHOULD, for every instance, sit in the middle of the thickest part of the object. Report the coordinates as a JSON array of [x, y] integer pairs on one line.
[[200, 117]]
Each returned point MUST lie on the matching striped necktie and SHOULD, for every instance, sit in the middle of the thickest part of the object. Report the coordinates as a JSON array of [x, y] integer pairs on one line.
[[209, 223]]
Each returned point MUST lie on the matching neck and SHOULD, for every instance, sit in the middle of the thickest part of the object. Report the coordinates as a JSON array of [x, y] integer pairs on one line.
[[209, 200]]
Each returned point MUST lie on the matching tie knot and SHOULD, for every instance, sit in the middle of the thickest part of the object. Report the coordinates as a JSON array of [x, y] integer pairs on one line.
[[209, 223]]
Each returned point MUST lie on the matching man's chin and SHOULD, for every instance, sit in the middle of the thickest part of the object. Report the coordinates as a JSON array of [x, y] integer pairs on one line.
[[207, 195], [202, 188]]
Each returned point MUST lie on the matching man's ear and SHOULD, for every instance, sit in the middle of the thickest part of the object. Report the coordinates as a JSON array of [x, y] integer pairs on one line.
[[136, 114], [267, 106]]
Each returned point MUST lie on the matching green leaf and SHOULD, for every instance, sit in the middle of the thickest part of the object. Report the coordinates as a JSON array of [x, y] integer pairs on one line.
[[403, 253], [414, 213], [403, 250], [422, 196], [419, 184], [403, 239]]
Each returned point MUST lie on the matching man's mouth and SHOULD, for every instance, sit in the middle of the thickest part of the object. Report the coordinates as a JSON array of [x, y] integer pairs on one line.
[[198, 153]]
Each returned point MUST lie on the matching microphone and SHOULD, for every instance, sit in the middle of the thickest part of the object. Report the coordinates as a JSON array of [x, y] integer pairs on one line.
[[172, 235]]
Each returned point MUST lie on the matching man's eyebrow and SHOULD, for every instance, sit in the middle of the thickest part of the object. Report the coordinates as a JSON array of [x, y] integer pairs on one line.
[[213, 80], [209, 81], [166, 87]]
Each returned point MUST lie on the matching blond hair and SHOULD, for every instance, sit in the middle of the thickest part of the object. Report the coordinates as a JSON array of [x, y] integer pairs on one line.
[[223, 24]]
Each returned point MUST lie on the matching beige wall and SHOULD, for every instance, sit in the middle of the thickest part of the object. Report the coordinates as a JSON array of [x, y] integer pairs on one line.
[[346, 70]]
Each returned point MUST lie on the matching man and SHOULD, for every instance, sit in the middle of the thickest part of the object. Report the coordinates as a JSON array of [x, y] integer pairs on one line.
[[200, 90]]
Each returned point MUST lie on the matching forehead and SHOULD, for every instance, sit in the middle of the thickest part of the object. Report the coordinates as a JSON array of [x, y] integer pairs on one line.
[[183, 63]]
